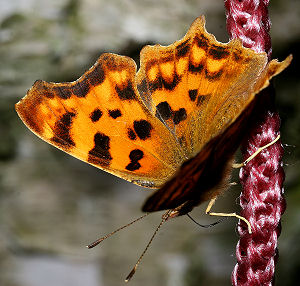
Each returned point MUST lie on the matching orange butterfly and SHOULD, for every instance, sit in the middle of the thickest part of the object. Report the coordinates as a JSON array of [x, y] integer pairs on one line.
[[173, 126]]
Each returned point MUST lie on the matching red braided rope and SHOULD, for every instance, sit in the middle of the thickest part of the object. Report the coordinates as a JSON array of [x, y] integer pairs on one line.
[[261, 200]]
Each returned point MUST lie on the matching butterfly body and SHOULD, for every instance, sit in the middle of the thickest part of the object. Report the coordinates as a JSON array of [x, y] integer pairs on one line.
[[173, 126]]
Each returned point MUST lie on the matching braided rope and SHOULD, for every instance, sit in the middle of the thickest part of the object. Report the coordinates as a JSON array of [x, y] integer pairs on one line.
[[261, 200], [249, 21]]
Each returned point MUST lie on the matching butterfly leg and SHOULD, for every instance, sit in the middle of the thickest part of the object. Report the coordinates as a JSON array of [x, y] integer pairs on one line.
[[212, 202], [239, 165]]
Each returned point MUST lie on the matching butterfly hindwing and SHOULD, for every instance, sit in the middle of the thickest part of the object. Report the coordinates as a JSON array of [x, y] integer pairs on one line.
[[187, 84], [199, 87], [207, 174]]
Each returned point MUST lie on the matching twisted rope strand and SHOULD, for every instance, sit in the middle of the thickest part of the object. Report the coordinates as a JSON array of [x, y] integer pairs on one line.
[[262, 199], [249, 21]]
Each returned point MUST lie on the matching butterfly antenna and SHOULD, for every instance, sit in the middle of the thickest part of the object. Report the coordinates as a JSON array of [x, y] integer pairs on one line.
[[132, 272], [96, 242], [206, 225]]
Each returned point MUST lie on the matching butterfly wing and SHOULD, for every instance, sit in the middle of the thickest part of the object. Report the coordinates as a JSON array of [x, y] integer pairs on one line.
[[198, 88], [142, 127], [207, 174], [101, 120]]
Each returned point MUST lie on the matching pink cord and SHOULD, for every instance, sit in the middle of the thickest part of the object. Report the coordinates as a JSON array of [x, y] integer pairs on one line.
[[262, 199]]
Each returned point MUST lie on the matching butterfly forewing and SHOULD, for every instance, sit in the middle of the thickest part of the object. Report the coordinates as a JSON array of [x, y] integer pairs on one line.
[[100, 119]]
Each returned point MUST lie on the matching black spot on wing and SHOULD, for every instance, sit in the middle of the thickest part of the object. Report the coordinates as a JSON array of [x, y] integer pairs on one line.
[[182, 49], [62, 92], [193, 94], [167, 58], [202, 42], [97, 75], [170, 85], [196, 68], [218, 52], [126, 92], [111, 63], [142, 129], [131, 135], [155, 84], [81, 88], [135, 156], [48, 94], [96, 115], [179, 116], [163, 110], [45, 90], [115, 113], [100, 154], [62, 129], [133, 166]]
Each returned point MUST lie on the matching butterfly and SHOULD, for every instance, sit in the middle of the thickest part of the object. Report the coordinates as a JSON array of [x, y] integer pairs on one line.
[[173, 125]]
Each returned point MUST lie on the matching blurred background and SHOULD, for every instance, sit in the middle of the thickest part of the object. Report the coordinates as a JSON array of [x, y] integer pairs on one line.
[[52, 205]]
